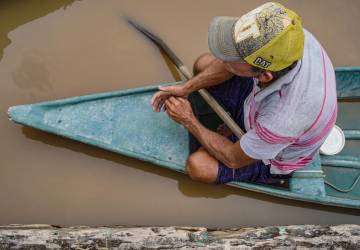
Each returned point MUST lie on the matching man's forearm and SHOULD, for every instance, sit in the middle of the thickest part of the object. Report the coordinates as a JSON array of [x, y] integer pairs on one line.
[[217, 145], [213, 74], [231, 154]]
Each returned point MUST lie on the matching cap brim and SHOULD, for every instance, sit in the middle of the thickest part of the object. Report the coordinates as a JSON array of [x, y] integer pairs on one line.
[[220, 38]]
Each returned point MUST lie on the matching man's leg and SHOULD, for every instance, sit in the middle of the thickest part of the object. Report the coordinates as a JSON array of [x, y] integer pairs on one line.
[[201, 109], [201, 166], [202, 62]]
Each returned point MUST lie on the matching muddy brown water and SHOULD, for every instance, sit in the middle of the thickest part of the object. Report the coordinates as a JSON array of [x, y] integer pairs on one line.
[[58, 49]]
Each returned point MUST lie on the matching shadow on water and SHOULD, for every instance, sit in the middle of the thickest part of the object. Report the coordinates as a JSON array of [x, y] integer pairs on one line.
[[187, 187], [17, 13]]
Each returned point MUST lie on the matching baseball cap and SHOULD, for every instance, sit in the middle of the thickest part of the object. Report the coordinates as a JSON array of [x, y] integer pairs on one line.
[[269, 37]]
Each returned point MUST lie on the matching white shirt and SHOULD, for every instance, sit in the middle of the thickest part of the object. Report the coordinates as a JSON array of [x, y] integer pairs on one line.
[[288, 121]]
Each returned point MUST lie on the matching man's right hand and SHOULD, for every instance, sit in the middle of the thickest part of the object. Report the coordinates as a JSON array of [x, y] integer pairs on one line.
[[159, 98]]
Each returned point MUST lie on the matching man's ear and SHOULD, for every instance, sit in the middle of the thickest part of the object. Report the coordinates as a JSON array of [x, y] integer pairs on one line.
[[265, 77]]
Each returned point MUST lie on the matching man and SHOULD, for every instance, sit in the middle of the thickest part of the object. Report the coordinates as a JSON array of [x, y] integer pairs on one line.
[[279, 86]]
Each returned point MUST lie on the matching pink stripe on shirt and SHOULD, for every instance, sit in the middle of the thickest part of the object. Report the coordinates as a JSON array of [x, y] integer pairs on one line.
[[329, 125], [270, 137]]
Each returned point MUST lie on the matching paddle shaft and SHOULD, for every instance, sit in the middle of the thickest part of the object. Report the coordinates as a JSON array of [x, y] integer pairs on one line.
[[224, 116]]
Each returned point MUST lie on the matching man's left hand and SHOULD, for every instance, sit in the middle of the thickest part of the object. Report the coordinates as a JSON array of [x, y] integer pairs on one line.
[[179, 110]]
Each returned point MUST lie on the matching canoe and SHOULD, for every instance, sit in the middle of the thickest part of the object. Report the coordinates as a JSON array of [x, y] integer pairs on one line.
[[123, 122]]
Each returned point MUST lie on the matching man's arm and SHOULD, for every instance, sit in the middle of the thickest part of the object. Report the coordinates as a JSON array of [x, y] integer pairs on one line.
[[218, 146], [214, 74]]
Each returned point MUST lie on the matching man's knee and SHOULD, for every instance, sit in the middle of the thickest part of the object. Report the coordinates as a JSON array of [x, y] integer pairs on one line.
[[201, 169], [193, 166], [202, 62]]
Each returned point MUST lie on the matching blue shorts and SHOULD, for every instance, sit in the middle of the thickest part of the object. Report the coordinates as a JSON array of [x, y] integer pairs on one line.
[[231, 95]]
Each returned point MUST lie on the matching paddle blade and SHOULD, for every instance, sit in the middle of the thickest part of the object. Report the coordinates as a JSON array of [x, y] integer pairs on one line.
[[157, 40]]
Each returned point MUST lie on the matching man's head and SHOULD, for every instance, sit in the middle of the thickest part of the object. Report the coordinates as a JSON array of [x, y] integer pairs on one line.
[[268, 39]]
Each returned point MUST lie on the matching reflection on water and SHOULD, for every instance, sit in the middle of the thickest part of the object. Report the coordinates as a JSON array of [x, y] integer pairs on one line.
[[32, 73], [88, 48]]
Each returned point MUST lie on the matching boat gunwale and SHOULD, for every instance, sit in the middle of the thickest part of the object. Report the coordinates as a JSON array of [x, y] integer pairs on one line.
[[99, 96]]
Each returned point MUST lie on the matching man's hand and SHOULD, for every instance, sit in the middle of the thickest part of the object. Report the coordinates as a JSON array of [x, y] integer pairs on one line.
[[179, 110], [218, 146], [159, 98]]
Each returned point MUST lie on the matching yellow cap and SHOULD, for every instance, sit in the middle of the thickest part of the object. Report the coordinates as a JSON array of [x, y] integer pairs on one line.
[[269, 37]]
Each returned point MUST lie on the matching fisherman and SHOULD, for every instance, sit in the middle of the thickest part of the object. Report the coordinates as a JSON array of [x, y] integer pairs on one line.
[[278, 84]]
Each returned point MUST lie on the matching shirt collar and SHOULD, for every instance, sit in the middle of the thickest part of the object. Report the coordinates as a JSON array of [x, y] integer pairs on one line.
[[278, 84]]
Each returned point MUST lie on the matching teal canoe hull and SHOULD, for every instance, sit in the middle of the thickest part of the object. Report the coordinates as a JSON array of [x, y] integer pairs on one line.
[[123, 122]]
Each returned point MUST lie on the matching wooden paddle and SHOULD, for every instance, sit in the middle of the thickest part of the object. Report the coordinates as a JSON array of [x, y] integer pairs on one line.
[[187, 74]]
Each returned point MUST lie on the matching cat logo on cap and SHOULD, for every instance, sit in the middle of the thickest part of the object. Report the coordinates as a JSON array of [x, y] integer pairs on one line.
[[262, 62]]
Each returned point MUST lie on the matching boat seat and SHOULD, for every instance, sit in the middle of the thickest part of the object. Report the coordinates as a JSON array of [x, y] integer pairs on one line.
[[309, 180]]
